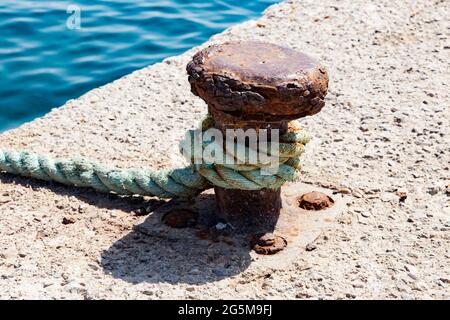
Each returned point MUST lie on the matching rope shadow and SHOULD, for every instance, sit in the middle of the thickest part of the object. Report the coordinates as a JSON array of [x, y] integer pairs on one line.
[[129, 204], [175, 256], [139, 257]]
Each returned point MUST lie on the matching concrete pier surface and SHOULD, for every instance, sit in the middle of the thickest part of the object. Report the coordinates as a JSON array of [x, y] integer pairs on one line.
[[383, 135]]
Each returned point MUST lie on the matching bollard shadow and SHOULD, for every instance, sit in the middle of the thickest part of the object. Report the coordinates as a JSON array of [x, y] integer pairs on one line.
[[175, 255]]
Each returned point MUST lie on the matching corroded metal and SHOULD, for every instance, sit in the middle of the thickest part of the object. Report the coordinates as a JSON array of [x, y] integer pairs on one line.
[[258, 81], [300, 228], [258, 210], [268, 243], [261, 86], [315, 201]]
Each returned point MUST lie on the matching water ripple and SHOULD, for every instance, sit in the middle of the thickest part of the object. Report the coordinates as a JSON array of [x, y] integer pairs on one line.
[[43, 63]]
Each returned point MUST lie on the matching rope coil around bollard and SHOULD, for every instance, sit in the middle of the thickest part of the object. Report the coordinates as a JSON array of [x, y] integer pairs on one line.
[[184, 182]]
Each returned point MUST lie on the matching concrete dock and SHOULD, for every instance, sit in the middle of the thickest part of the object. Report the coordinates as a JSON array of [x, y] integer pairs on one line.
[[384, 134]]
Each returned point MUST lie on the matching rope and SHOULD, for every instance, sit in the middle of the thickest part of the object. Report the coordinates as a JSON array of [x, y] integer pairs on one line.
[[180, 182]]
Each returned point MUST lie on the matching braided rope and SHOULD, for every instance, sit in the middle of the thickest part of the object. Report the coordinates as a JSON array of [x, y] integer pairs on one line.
[[180, 182]]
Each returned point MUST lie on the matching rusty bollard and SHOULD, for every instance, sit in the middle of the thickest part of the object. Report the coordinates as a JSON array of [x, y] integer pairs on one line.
[[261, 86]]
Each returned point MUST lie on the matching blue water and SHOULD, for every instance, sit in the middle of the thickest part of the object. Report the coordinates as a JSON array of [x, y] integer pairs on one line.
[[46, 59]]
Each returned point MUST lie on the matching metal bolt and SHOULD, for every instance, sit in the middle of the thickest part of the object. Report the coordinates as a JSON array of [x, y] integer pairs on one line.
[[261, 86], [315, 201], [267, 239], [268, 243]]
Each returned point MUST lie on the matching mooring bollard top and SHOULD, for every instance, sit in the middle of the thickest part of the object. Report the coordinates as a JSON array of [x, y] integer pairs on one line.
[[257, 80]]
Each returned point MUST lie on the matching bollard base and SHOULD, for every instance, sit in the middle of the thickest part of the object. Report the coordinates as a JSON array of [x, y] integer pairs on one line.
[[248, 211], [299, 228]]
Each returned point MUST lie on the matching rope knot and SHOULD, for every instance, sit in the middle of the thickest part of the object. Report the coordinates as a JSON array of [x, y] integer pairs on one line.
[[229, 164], [246, 160]]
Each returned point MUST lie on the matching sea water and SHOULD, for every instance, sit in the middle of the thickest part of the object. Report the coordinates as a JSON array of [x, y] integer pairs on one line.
[[53, 51]]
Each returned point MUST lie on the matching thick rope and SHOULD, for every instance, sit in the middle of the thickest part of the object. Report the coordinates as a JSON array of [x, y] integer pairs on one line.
[[181, 182]]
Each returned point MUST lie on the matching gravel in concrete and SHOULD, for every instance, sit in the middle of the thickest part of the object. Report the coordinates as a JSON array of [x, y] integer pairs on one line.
[[382, 139]]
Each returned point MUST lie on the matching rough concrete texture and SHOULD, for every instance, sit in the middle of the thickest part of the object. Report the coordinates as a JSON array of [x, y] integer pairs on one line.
[[384, 133]]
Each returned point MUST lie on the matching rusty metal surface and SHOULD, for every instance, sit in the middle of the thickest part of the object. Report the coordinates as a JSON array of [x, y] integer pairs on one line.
[[256, 85], [249, 210], [256, 80], [268, 243], [315, 201], [300, 228]]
